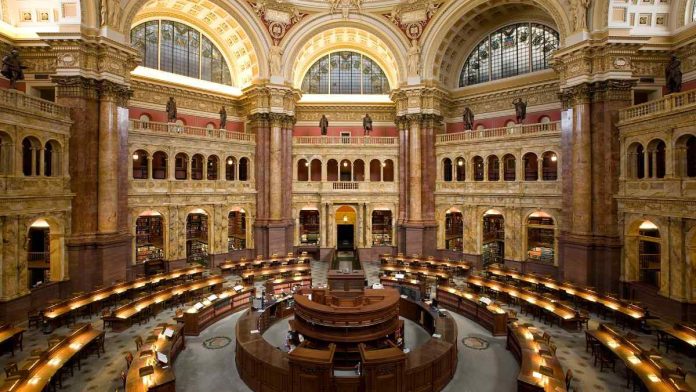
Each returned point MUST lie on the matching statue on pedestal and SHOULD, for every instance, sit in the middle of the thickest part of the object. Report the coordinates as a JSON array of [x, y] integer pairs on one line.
[[468, 119], [414, 58], [12, 68], [223, 118], [275, 60], [171, 110], [367, 124], [673, 75], [323, 124], [520, 110]]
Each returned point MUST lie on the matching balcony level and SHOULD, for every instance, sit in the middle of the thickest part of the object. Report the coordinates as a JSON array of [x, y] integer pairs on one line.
[[667, 105]]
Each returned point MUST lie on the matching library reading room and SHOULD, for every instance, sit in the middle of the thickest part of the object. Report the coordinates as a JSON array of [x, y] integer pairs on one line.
[[348, 195]]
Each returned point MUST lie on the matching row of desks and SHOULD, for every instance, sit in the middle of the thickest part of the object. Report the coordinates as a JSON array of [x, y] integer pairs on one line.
[[583, 293], [10, 337], [656, 374], [62, 308], [435, 273], [213, 307], [245, 264], [146, 373], [540, 369], [123, 316], [475, 307], [294, 269], [427, 262], [37, 372]]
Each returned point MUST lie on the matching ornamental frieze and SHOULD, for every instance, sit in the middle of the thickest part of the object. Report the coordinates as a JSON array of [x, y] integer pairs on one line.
[[502, 100], [185, 99], [345, 113], [278, 17], [413, 17]]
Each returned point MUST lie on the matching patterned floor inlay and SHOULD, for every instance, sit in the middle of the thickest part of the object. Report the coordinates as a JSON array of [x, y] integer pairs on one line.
[[217, 342], [475, 343]]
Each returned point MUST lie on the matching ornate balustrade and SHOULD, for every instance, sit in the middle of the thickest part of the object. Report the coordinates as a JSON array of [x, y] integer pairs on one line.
[[340, 186], [503, 132], [342, 140], [197, 132], [659, 106], [20, 101]]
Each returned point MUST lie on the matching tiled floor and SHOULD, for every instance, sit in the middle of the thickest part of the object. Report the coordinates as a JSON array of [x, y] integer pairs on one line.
[[493, 369]]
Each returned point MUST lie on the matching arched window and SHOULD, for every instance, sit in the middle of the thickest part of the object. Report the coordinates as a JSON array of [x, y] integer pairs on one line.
[[52, 159], [181, 166], [447, 169], [375, 170], [493, 168], [345, 73], [213, 167], [302, 170], [358, 170], [159, 165], [31, 156], [388, 171], [656, 159], [244, 169], [140, 164], [512, 50], [478, 168], [460, 169], [5, 153], [197, 167], [230, 168], [332, 170], [636, 161], [531, 167], [315, 170], [509, 167], [177, 48], [345, 170], [549, 166]]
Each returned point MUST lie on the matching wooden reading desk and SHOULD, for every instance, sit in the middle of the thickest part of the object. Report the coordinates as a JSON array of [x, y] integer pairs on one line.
[[10, 337], [37, 372], [540, 370], [146, 373], [239, 266], [213, 307], [491, 316]]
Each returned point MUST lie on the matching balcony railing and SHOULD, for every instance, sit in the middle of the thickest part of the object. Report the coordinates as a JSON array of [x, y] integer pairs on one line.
[[44, 257], [490, 133], [658, 106], [19, 100], [346, 185], [350, 140], [174, 129]]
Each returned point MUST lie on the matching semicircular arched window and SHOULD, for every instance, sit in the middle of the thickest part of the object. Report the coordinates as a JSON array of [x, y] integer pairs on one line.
[[512, 50], [345, 73], [177, 48]]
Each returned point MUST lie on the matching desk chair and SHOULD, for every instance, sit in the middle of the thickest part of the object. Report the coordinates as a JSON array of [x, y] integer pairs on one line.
[[34, 318], [606, 358], [591, 344]]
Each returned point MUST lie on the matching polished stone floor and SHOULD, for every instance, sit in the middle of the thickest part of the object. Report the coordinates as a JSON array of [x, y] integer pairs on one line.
[[199, 368]]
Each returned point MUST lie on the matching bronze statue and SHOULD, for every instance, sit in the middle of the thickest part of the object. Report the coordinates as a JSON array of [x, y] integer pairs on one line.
[[468, 119], [171, 110], [12, 68], [323, 124], [367, 124], [520, 109], [673, 75], [223, 117]]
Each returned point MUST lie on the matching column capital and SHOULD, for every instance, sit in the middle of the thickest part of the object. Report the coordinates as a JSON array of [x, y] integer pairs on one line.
[[119, 93], [269, 98], [76, 87], [606, 90]]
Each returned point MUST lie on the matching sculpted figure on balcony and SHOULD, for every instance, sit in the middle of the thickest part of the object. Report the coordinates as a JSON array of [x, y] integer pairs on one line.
[[468, 119], [367, 124], [171, 110], [223, 117], [12, 68], [673, 75], [520, 109], [323, 124]]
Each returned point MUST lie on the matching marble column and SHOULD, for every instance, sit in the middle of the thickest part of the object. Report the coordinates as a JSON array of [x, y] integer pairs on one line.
[[414, 170], [276, 161]]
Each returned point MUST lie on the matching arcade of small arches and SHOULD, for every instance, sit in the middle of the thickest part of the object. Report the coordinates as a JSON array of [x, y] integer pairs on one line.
[[39, 157], [534, 167], [345, 170], [156, 166], [653, 159]]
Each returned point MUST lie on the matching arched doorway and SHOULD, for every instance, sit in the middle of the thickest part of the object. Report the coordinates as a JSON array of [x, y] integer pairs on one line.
[[345, 228], [649, 254], [236, 230], [454, 230], [149, 239], [197, 237], [541, 238], [39, 253], [493, 241]]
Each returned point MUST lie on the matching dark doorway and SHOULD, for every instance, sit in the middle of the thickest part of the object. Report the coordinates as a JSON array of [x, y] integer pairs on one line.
[[345, 237]]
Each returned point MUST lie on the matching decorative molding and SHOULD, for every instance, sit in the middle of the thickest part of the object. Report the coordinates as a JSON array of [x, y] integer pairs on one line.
[[413, 17], [278, 17]]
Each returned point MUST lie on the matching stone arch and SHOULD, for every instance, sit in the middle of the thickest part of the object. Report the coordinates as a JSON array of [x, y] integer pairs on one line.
[[238, 31], [150, 211], [57, 227], [447, 55], [324, 34]]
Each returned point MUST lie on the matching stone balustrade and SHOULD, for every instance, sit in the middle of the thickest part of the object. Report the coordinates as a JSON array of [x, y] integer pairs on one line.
[[346, 140], [664, 105], [345, 186], [18, 100], [188, 131], [507, 133]]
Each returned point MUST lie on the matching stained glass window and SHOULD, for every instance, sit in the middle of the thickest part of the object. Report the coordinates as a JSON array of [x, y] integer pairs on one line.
[[512, 50], [345, 73], [177, 48]]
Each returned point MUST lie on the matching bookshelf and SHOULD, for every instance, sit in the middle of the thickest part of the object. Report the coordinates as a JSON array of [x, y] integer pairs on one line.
[[540, 240], [149, 240], [309, 227], [381, 228], [197, 238], [236, 231], [454, 231], [196, 251]]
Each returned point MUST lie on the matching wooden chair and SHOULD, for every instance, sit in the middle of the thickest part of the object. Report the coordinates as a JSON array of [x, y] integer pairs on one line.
[[10, 369], [605, 358], [552, 348], [590, 343], [34, 319], [106, 319], [129, 359], [568, 379], [138, 343], [546, 337]]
